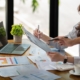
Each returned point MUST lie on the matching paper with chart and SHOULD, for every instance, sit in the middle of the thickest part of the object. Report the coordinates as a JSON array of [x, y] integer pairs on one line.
[[37, 75], [54, 66], [17, 70], [17, 60], [45, 65], [42, 58], [36, 51], [37, 41]]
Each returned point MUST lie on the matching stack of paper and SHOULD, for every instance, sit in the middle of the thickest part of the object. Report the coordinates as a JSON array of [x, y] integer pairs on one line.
[[37, 75], [17, 70], [54, 66]]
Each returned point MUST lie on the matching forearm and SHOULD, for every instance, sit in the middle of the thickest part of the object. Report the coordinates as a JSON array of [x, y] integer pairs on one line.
[[45, 38], [70, 59], [75, 41]]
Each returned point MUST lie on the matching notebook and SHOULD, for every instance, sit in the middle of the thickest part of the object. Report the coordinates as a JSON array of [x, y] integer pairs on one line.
[[11, 48]]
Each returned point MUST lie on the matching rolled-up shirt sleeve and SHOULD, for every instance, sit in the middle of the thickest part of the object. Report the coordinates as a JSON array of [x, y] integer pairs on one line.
[[76, 60], [73, 34]]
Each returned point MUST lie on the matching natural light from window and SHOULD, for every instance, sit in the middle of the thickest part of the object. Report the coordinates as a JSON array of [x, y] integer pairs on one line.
[[68, 17], [24, 14]]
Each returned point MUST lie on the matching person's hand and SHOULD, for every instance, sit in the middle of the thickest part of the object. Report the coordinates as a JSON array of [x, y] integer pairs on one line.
[[37, 33], [65, 41], [56, 39], [59, 40], [55, 56]]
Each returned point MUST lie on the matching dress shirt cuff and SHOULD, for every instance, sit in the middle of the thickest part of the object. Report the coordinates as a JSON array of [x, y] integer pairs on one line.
[[76, 60]]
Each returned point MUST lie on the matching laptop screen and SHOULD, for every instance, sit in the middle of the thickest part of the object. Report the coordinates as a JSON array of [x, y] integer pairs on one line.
[[3, 36]]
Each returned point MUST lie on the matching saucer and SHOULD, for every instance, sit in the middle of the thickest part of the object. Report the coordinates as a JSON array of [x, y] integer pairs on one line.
[[73, 73]]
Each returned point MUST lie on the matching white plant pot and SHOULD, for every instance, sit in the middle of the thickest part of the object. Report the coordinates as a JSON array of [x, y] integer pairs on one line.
[[17, 39]]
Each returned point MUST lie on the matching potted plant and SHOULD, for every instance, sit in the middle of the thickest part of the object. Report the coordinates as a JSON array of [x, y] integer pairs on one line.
[[3, 38], [17, 32]]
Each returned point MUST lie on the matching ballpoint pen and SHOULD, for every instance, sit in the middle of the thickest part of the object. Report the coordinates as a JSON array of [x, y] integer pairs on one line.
[[56, 38]]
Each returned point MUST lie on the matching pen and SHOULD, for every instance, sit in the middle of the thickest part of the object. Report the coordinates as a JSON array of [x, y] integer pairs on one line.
[[38, 31], [56, 38]]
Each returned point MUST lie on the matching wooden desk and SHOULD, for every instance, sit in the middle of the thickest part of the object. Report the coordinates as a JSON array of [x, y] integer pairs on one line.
[[64, 74]]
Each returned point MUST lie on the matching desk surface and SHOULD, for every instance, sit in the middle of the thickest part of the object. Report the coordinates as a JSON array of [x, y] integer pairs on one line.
[[64, 74]]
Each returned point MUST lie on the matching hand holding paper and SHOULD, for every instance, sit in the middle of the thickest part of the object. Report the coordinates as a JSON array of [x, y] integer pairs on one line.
[[37, 42]]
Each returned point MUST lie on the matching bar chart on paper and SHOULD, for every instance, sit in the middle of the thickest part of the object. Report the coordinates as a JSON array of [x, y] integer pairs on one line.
[[13, 60]]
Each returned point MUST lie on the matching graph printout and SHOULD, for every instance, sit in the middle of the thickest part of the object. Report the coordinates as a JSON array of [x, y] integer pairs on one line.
[[13, 60]]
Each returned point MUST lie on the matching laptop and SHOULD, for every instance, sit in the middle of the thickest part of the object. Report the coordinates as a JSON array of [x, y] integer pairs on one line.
[[11, 48]]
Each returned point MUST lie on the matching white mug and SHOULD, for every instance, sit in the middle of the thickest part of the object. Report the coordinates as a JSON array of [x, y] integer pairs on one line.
[[77, 68]]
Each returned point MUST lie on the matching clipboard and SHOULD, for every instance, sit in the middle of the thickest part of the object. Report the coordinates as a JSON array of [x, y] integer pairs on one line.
[[37, 41]]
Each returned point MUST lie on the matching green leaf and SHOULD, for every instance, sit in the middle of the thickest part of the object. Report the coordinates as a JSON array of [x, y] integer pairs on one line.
[[23, 1], [2, 31], [34, 5], [17, 30]]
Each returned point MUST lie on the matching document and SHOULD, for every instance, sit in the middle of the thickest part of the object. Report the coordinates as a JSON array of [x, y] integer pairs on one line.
[[36, 51], [37, 41], [39, 51], [54, 66], [46, 65], [17, 60], [37, 75], [42, 58], [17, 70]]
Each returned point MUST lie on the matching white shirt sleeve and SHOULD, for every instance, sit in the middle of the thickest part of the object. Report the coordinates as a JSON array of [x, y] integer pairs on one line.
[[73, 33]]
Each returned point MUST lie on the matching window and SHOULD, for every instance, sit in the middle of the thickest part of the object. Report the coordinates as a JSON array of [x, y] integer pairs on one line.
[[2, 11], [68, 17], [23, 13]]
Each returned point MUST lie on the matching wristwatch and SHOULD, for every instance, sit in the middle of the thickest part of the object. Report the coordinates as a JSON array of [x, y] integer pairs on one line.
[[65, 59]]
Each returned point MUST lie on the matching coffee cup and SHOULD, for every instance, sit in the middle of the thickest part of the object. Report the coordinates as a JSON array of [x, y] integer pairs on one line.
[[77, 68]]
